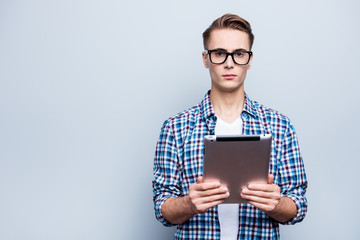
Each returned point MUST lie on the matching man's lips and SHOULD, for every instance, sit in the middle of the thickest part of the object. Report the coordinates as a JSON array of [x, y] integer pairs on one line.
[[229, 76]]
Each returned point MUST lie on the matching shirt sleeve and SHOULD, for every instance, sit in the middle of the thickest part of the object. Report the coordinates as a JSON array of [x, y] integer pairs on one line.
[[293, 182], [166, 171]]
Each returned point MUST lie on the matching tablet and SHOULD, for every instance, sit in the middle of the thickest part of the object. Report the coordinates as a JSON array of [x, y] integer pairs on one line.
[[236, 161]]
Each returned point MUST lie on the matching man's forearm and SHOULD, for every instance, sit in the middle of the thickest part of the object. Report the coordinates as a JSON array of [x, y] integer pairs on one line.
[[177, 210], [284, 211]]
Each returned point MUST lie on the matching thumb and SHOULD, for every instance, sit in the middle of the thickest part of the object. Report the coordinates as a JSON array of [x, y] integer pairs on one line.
[[270, 178], [200, 180]]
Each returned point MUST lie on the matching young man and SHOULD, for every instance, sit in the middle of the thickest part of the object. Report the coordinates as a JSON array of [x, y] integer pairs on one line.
[[181, 197]]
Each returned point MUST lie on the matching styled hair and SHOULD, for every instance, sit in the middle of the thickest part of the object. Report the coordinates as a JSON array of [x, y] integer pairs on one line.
[[229, 21]]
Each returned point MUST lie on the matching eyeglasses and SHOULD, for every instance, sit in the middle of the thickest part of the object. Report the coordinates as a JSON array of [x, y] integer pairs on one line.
[[218, 56]]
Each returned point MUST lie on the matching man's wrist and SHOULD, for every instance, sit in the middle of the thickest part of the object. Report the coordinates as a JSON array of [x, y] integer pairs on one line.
[[177, 210], [192, 208], [284, 211]]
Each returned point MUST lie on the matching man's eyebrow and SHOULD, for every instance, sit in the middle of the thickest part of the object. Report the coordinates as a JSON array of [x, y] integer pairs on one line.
[[222, 49], [241, 49], [219, 49]]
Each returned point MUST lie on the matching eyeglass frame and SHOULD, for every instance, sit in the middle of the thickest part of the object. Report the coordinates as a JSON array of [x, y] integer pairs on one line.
[[227, 55]]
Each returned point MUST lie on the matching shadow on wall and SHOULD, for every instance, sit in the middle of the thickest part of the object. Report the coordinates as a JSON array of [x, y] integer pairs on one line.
[[146, 226], [164, 233], [156, 230]]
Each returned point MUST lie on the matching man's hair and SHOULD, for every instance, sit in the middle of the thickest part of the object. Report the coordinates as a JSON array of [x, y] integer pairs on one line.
[[229, 21]]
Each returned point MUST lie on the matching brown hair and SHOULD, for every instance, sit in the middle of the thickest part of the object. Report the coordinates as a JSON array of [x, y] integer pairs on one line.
[[230, 21]]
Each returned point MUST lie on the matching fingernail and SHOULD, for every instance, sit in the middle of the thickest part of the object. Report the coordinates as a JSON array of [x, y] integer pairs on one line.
[[225, 189]]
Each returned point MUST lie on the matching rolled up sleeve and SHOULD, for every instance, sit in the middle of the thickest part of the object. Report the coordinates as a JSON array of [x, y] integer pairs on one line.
[[166, 171], [292, 177]]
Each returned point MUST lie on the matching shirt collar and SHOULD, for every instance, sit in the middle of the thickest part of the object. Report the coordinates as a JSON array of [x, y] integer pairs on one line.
[[207, 109], [249, 107]]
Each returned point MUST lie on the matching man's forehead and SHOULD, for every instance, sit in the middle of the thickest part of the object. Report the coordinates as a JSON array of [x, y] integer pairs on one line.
[[228, 39]]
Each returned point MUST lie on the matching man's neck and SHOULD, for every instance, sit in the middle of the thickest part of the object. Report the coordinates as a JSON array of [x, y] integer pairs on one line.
[[227, 105]]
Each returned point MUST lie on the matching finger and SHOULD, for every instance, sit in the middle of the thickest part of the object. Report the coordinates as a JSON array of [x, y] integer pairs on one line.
[[261, 187], [203, 207], [211, 192], [206, 186], [263, 207], [261, 194], [200, 180], [258, 199], [212, 198], [270, 178]]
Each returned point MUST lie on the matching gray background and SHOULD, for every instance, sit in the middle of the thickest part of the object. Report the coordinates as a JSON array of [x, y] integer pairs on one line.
[[86, 85]]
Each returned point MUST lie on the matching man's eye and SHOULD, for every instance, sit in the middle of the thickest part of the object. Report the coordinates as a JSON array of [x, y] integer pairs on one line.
[[219, 54], [239, 54]]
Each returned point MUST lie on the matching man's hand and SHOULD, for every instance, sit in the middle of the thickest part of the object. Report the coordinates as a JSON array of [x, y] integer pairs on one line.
[[267, 198], [205, 195], [263, 196], [202, 196]]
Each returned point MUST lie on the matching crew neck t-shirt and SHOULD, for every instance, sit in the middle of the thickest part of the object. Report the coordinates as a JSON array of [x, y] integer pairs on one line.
[[228, 212]]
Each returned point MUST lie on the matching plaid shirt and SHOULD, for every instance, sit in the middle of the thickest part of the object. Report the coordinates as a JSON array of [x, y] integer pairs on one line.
[[179, 162]]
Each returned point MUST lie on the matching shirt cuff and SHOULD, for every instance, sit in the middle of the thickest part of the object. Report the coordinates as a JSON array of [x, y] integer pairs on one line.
[[301, 205], [158, 204]]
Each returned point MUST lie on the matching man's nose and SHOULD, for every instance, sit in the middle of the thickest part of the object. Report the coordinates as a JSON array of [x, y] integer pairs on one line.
[[229, 63]]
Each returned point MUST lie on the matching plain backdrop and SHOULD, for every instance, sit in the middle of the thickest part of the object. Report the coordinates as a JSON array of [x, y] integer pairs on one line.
[[86, 85]]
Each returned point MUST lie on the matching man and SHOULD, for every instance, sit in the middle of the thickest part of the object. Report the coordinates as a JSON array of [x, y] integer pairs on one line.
[[181, 197]]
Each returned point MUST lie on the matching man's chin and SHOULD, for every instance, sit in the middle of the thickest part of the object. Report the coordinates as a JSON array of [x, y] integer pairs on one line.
[[228, 88]]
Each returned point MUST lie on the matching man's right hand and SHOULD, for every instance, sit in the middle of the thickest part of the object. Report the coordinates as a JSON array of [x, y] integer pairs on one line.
[[202, 196], [205, 195]]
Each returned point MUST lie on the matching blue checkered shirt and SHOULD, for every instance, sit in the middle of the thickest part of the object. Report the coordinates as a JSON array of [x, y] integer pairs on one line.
[[179, 162]]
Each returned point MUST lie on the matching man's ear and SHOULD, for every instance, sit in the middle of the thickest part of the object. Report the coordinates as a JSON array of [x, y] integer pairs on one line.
[[204, 57]]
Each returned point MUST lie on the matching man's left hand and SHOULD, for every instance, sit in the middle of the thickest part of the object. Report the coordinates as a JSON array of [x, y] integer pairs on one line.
[[265, 197]]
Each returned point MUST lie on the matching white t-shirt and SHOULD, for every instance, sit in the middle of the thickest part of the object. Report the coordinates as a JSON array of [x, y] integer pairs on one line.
[[228, 212]]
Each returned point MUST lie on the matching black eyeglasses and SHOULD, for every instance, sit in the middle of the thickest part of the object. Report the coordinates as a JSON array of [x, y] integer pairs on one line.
[[219, 56]]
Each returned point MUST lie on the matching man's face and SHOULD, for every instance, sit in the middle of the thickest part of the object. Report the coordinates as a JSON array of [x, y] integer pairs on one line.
[[228, 76]]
